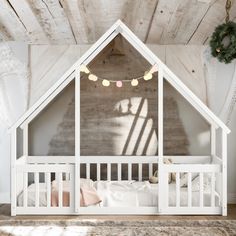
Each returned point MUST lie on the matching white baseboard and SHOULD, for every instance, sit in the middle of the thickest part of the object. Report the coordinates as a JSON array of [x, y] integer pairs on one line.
[[231, 198], [5, 197]]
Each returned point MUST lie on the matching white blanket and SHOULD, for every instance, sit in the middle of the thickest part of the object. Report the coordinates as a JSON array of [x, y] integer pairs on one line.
[[143, 194], [128, 194]]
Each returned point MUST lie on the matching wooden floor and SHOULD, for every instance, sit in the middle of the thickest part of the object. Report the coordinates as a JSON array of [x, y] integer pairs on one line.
[[5, 215]]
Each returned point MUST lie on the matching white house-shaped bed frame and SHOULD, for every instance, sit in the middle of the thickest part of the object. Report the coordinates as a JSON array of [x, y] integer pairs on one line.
[[217, 166]]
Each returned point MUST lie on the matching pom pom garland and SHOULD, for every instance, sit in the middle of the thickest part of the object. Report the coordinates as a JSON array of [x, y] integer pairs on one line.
[[92, 77], [119, 84], [134, 82], [106, 83], [84, 68], [148, 75]]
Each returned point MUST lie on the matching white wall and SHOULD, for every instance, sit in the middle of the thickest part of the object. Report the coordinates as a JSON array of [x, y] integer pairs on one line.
[[224, 74], [4, 164], [13, 85], [232, 160], [196, 128]]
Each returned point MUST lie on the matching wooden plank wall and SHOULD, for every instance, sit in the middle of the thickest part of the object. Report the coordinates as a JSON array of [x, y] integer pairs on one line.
[[48, 63], [80, 21]]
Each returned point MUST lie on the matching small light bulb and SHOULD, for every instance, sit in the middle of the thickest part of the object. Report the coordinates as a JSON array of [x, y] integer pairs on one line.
[[119, 84], [147, 76], [92, 77], [154, 69], [105, 83], [134, 82], [84, 68]]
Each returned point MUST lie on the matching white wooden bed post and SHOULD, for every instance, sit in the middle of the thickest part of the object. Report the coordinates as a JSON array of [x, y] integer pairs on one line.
[[213, 140], [25, 139], [224, 173], [160, 138], [77, 139], [13, 172]]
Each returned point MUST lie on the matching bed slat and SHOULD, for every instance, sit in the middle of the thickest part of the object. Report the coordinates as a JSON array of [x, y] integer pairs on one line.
[[201, 188], [189, 189], [139, 172], [25, 194], [109, 171], [119, 171], [67, 175], [177, 189], [87, 170], [98, 172], [129, 171], [150, 170], [36, 180], [60, 191], [48, 183], [166, 189], [72, 182], [213, 189]]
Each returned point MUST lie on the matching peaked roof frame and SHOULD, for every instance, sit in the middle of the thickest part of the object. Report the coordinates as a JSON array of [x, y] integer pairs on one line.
[[120, 28]]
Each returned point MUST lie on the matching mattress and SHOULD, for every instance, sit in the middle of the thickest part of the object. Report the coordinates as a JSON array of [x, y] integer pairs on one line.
[[124, 194]]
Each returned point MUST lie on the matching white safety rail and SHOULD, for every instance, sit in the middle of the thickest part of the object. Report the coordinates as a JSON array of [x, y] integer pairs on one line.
[[134, 166], [132, 163], [39, 170], [207, 175], [31, 176]]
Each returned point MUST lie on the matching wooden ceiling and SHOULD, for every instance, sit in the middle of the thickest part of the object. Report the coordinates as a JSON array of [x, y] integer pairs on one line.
[[84, 21]]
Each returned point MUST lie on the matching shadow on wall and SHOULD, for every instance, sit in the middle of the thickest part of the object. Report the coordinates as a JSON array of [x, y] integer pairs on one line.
[[124, 121], [118, 121]]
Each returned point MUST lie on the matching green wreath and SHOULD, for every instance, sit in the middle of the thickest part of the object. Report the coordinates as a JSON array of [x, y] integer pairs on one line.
[[223, 42]]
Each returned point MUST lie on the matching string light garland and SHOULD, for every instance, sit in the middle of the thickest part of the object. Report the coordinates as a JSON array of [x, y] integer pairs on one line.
[[84, 68], [148, 75]]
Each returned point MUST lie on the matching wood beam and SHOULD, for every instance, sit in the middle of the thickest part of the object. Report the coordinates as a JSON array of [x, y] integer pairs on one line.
[[29, 20], [11, 26], [51, 17], [174, 23]]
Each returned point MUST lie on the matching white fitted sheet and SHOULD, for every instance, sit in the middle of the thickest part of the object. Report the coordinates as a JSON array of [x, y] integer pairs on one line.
[[124, 194]]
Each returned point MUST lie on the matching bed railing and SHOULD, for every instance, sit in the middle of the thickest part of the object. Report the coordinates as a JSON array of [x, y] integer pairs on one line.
[[35, 192], [208, 200], [43, 170], [118, 167]]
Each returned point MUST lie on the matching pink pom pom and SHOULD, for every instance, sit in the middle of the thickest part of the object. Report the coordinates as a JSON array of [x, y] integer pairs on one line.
[[119, 84]]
